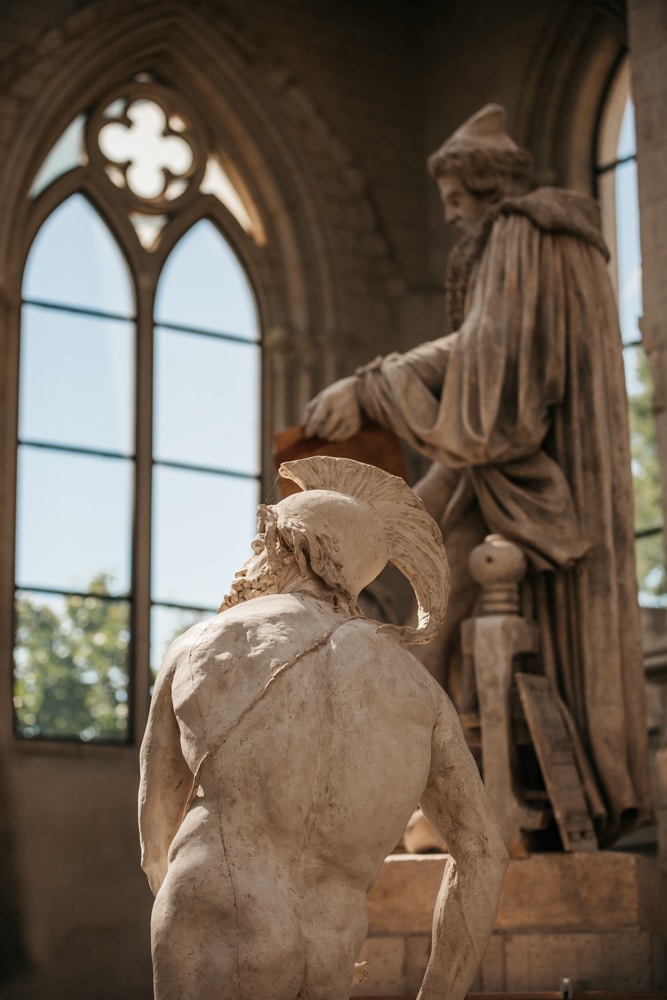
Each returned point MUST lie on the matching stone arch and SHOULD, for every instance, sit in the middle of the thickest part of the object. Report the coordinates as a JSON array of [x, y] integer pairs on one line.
[[327, 269], [326, 275], [558, 113], [116, 47]]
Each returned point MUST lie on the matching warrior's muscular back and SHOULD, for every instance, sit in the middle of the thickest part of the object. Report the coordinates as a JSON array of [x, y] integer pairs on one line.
[[310, 735]]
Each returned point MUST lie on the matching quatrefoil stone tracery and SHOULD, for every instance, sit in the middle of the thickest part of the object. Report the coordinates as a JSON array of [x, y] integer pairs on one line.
[[155, 159]]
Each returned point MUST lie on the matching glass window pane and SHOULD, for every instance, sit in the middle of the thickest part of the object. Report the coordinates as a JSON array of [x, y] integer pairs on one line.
[[166, 624], [645, 466], [650, 553], [626, 139], [217, 182], [203, 285], [77, 380], [628, 253], [154, 159], [206, 401], [71, 667], [65, 155], [74, 521], [203, 527], [74, 261]]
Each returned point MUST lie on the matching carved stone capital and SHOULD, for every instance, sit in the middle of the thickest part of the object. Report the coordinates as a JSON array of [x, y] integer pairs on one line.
[[498, 565]]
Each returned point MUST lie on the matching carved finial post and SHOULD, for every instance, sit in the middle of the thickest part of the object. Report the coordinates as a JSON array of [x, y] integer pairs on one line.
[[499, 566], [492, 640]]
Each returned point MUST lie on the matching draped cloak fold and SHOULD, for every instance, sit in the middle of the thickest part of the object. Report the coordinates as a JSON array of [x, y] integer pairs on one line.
[[523, 412]]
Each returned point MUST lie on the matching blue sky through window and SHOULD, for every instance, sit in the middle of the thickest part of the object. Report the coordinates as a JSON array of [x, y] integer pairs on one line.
[[75, 261], [77, 392]]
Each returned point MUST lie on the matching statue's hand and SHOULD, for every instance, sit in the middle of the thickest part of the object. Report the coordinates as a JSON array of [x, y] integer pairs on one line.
[[334, 414]]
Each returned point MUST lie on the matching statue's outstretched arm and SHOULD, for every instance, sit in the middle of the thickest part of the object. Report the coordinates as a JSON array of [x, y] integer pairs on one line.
[[456, 804], [165, 780]]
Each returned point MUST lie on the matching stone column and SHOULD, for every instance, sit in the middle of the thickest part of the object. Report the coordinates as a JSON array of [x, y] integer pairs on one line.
[[647, 26]]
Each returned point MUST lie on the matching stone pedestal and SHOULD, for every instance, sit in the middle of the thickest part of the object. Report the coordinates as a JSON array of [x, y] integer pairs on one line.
[[599, 920]]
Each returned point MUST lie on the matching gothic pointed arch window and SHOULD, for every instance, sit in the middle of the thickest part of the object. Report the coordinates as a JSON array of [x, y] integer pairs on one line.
[[616, 172], [138, 451]]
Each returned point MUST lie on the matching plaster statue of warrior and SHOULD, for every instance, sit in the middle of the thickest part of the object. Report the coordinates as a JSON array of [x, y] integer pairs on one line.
[[522, 410], [288, 742]]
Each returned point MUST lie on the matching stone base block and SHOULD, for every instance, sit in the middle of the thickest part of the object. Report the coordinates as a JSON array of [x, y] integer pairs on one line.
[[599, 920]]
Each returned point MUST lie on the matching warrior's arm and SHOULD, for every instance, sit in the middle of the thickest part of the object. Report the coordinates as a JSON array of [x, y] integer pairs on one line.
[[456, 804], [166, 779]]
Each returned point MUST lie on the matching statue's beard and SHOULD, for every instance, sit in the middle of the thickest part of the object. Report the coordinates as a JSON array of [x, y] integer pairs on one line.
[[464, 255], [245, 588]]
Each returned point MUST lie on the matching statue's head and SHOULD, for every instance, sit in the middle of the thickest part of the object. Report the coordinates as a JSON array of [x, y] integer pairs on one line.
[[349, 521], [322, 534], [477, 166], [336, 536]]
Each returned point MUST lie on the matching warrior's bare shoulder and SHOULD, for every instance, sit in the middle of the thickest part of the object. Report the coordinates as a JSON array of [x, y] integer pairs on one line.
[[177, 651], [262, 627], [375, 648]]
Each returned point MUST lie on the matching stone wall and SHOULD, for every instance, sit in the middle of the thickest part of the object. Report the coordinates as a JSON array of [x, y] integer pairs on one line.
[[598, 920], [331, 108]]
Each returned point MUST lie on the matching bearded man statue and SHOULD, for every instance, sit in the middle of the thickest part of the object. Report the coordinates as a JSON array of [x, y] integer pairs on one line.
[[522, 411]]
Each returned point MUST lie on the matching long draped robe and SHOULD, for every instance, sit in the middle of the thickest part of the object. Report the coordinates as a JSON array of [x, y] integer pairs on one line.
[[523, 411]]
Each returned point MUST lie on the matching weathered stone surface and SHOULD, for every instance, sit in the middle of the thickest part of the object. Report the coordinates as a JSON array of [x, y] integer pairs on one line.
[[492, 972], [367, 75], [522, 410], [493, 642], [402, 899], [594, 961], [417, 953], [386, 967], [658, 962], [598, 919], [600, 892], [606, 891], [289, 741]]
